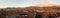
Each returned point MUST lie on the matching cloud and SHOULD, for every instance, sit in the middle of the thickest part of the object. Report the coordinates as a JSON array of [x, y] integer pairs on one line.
[[28, 2]]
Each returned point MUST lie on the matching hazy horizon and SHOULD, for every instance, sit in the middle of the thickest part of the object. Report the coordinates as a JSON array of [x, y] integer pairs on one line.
[[25, 3]]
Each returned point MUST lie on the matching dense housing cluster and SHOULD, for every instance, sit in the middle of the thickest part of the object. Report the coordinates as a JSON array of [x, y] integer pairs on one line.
[[30, 12]]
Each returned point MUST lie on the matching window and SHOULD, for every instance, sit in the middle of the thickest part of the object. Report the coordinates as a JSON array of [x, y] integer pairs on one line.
[[24, 15], [38, 16], [50, 16]]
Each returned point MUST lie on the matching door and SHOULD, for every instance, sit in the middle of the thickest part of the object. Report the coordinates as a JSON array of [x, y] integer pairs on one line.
[[58, 14]]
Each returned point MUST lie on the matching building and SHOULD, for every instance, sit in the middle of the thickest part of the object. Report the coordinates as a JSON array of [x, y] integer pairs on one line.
[[30, 12]]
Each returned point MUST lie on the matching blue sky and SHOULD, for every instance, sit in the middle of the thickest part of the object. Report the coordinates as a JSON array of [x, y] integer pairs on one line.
[[25, 2]]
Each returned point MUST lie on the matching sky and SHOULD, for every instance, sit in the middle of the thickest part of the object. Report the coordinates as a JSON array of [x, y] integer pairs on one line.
[[26, 2]]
